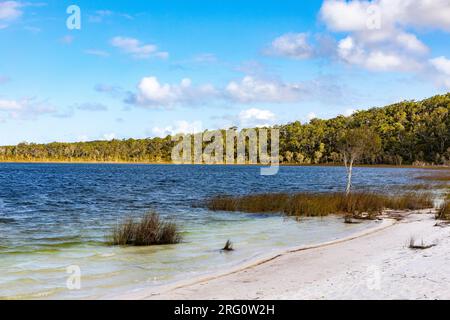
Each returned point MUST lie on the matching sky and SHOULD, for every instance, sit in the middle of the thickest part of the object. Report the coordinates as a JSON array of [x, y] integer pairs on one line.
[[136, 69]]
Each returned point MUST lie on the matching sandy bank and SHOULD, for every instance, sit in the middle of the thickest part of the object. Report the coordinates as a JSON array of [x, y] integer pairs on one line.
[[373, 264]]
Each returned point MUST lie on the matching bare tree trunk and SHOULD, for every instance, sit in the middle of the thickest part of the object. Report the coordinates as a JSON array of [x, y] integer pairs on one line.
[[349, 176]]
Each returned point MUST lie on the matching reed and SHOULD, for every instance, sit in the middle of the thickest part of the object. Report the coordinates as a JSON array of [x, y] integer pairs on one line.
[[358, 204], [149, 230], [440, 177], [228, 246]]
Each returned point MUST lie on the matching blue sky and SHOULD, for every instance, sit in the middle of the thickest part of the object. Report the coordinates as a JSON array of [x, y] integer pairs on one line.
[[150, 68]]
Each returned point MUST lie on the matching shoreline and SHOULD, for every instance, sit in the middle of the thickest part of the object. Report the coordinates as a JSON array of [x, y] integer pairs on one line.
[[246, 265], [340, 269], [440, 167]]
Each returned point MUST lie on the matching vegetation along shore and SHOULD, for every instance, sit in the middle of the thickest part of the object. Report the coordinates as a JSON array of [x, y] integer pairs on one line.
[[408, 132]]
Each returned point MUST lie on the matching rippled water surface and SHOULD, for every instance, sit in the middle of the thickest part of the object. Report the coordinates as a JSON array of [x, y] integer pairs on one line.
[[56, 215]]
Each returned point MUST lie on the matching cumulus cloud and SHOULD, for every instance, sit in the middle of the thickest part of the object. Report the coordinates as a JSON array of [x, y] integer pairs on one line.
[[442, 66], [293, 45], [152, 93], [182, 126], [255, 117], [137, 49], [379, 33], [25, 108], [251, 89], [352, 52], [358, 15]]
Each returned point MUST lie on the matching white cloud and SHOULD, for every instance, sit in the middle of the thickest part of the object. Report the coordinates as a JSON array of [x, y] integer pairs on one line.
[[179, 127], [10, 105], [379, 36], [359, 15], [442, 66], [251, 89], [25, 108], [99, 15], [10, 10], [349, 112], [152, 93], [109, 136], [375, 59], [95, 52], [311, 116], [293, 45], [345, 16], [13, 10], [256, 118], [136, 49]]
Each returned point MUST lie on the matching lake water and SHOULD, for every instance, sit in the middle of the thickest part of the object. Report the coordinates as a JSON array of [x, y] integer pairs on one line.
[[56, 215]]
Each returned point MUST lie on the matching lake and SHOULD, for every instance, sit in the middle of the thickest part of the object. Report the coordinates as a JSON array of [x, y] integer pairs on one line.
[[56, 215]]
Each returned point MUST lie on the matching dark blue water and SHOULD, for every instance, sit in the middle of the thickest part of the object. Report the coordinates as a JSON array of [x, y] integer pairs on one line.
[[55, 196]]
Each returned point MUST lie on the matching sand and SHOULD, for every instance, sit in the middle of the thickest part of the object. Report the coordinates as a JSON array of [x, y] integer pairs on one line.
[[373, 264]]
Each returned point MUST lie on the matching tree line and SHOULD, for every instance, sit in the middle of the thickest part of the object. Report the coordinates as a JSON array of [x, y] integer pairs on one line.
[[409, 132]]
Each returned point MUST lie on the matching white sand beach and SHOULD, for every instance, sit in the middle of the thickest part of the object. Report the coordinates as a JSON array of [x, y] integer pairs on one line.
[[374, 264]]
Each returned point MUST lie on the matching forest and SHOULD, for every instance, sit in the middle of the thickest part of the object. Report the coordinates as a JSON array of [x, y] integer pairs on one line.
[[410, 132]]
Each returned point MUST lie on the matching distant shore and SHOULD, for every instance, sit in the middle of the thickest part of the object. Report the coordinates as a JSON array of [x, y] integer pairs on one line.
[[375, 264], [440, 167]]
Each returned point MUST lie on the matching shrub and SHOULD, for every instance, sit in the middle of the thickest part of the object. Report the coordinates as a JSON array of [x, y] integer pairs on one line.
[[149, 230]]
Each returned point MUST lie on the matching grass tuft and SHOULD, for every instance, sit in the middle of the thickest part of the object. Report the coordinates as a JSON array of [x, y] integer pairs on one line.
[[228, 246], [149, 230], [355, 205]]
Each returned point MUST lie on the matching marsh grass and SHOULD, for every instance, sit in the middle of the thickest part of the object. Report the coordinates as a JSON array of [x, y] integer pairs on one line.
[[149, 230], [360, 205], [436, 177], [423, 186]]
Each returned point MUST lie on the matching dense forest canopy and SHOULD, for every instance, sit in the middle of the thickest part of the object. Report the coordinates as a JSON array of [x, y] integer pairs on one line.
[[411, 132]]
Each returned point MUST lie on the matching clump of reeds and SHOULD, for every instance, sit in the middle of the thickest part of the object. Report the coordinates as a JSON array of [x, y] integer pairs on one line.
[[410, 201], [228, 246], [359, 204], [149, 230], [440, 177]]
